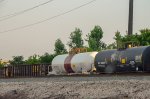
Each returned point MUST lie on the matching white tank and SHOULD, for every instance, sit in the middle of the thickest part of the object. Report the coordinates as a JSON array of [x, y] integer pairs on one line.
[[78, 63], [58, 64], [83, 62]]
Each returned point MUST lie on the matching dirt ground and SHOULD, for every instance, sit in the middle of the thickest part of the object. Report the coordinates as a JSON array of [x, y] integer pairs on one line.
[[111, 89]]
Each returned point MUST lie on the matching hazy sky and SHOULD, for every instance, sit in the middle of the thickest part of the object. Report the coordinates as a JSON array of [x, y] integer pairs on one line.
[[111, 15]]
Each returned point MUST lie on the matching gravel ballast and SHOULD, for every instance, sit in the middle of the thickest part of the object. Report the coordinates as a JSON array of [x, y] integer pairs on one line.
[[84, 89]]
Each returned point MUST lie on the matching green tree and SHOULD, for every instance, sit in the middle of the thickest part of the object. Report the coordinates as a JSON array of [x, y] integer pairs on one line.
[[131, 39], [76, 40], [144, 38], [121, 41], [17, 60], [94, 39], [112, 46], [103, 46], [118, 39], [35, 59], [59, 47], [46, 58], [1, 64]]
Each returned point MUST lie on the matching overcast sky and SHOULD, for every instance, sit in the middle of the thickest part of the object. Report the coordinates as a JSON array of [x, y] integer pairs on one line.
[[111, 15]]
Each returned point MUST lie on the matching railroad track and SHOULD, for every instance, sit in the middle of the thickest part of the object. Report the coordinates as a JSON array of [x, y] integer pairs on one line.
[[101, 75], [80, 78], [86, 75]]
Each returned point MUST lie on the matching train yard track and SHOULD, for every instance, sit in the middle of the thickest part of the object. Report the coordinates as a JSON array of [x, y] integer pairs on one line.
[[102, 75]]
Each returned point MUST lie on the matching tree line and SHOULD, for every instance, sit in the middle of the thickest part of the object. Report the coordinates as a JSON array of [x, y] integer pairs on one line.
[[94, 40]]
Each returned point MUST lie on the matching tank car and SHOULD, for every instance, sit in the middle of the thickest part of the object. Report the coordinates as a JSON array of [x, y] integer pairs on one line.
[[73, 63], [58, 64], [127, 60], [103, 60]]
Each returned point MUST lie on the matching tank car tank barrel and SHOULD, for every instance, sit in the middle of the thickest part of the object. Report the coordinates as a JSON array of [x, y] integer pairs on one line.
[[77, 63]]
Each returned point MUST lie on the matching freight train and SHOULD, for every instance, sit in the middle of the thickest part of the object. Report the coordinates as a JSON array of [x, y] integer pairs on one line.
[[136, 59]]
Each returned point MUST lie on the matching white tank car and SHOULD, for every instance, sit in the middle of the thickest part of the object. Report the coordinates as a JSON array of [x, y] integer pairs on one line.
[[78, 63], [83, 62], [58, 64]]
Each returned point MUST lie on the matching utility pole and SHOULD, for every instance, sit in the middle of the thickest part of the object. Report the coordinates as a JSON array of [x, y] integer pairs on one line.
[[130, 23]]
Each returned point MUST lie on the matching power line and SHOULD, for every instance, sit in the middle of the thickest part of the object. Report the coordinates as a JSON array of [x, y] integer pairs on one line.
[[23, 11], [76, 8]]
